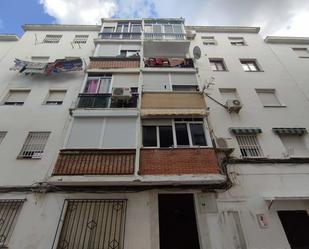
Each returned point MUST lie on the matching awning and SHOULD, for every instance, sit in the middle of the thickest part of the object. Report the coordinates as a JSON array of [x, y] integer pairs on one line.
[[248, 130], [172, 112], [290, 131]]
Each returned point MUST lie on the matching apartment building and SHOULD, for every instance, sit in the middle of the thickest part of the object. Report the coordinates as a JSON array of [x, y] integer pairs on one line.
[[257, 96], [146, 133]]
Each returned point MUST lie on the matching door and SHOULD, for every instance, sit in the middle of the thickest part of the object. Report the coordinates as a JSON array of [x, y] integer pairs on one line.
[[296, 226], [177, 222]]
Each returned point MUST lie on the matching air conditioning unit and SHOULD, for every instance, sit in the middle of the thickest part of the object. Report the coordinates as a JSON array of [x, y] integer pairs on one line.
[[122, 93], [233, 105], [223, 145]]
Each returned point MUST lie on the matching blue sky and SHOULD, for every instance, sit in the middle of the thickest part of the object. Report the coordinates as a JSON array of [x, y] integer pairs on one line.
[[275, 17]]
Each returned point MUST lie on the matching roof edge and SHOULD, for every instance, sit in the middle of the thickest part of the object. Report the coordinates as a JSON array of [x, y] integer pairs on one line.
[[223, 29], [8, 37], [60, 27], [286, 40]]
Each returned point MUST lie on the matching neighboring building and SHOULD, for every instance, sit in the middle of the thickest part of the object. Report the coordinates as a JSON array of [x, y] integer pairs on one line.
[[172, 137]]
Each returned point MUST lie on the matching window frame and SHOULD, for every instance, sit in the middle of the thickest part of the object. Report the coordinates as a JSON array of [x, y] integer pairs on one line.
[[237, 41], [4, 102], [209, 40], [274, 92], [173, 125], [52, 38], [80, 39], [301, 49], [247, 62], [257, 146], [27, 143], [215, 62], [49, 94]]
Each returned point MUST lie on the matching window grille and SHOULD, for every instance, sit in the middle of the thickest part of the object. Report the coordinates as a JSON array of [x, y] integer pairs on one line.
[[80, 39], [9, 210], [34, 145], [2, 135], [93, 224], [249, 146], [52, 39]]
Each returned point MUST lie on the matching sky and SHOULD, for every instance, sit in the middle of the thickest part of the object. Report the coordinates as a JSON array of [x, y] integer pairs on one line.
[[275, 17]]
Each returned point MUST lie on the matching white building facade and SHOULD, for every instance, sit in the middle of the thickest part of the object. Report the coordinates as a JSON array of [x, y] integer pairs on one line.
[[145, 133]]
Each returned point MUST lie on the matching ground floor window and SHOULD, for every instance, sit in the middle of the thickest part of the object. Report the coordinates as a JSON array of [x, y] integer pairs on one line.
[[92, 224]]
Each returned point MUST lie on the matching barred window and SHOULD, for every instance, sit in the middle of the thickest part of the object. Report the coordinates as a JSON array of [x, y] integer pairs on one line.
[[9, 210], [249, 146], [80, 39], [52, 38], [93, 224], [34, 145], [2, 135]]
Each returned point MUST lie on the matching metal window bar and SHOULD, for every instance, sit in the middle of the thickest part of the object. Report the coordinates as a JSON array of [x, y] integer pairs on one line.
[[52, 38], [95, 224], [9, 210], [80, 39], [34, 145], [2, 135], [165, 36], [249, 146]]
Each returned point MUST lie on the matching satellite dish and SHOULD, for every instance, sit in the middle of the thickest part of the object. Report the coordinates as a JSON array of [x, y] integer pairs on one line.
[[197, 52]]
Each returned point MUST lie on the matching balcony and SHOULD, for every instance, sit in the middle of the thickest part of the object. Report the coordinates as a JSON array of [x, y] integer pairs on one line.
[[120, 35], [114, 62], [166, 161], [105, 100], [169, 62], [95, 162]]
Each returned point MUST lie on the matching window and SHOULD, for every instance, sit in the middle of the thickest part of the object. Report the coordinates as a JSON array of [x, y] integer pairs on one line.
[[237, 41], [108, 29], [94, 223], [301, 52], [80, 39], [129, 53], [249, 146], [9, 210], [166, 136], [217, 65], [228, 93], [295, 145], [296, 226], [34, 145], [55, 97], [16, 97], [184, 131], [268, 97], [136, 28], [250, 66], [100, 84], [2, 135], [52, 39], [209, 40], [185, 88], [150, 136]]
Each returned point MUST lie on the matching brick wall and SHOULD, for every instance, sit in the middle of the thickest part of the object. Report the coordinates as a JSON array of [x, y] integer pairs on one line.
[[98, 64], [95, 162], [178, 161]]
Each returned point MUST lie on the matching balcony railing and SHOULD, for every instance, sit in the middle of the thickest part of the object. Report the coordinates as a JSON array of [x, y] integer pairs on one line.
[[164, 36], [120, 36], [105, 100], [114, 62], [95, 162], [169, 62]]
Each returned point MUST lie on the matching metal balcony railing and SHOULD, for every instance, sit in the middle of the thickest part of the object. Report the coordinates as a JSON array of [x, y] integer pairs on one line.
[[105, 100], [121, 35], [169, 62], [164, 36]]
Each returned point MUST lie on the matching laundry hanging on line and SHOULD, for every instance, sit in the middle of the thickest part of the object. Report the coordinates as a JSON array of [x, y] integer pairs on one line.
[[58, 66]]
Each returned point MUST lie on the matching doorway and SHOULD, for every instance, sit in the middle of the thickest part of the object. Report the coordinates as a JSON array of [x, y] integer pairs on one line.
[[177, 222]]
